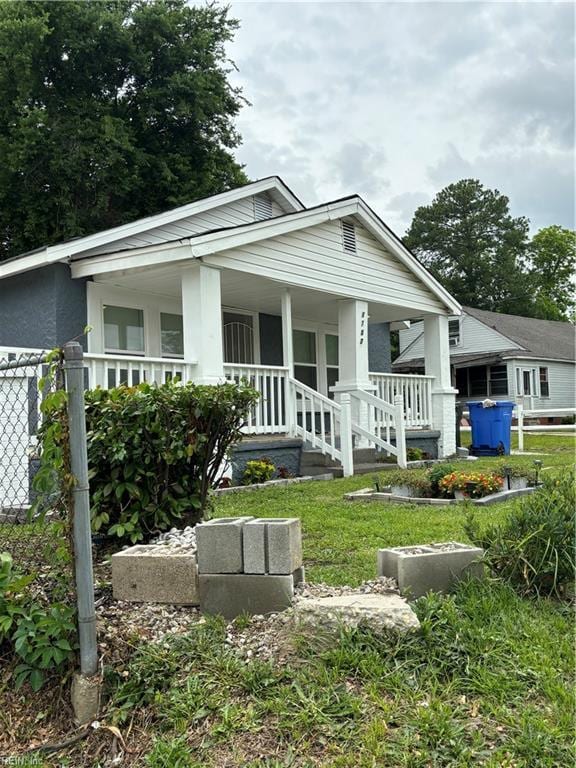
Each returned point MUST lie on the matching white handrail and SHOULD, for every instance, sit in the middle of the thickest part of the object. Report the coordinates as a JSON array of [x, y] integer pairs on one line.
[[111, 370], [381, 418], [318, 420]]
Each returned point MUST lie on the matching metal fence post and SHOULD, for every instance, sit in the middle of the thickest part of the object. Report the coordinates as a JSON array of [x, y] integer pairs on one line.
[[74, 371]]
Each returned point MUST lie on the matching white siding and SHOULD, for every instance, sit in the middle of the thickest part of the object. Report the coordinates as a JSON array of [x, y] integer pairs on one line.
[[561, 382], [314, 258], [222, 217], [474, 337]]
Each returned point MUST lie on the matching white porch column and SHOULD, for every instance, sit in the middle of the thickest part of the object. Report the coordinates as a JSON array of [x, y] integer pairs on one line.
[[287, 341], [202, 320], [437, 364], [353, 358]]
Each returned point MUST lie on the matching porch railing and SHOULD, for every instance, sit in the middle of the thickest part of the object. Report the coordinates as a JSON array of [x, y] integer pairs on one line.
[[318, 420], [270, 414], [106, 370], [416, 392]]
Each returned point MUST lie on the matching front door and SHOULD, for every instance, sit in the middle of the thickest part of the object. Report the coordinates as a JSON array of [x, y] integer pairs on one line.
[[238, 337]]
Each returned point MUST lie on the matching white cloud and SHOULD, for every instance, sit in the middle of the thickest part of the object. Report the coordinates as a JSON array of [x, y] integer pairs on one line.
[[394, 100]]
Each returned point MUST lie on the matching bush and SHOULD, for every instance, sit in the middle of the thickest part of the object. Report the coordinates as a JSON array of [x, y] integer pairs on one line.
[[472, 484], [154, 452], [257, 471], [436, 474], [40, 635], [414, 454], [533, 548]]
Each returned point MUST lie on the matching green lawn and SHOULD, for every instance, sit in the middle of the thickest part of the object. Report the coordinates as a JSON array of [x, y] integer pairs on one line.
[[488, 681]]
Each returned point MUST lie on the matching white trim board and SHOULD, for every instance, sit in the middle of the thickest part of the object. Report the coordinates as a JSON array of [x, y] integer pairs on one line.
[[65, 251]]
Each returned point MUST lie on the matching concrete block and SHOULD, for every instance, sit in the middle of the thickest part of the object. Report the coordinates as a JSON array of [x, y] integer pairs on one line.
[[220, 544], [434, 567], [272, 545], [299, 576], [231, 594], [254, 546], [284, 545], [155, 574]]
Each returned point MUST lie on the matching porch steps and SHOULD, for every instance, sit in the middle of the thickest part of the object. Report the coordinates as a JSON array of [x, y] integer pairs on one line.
[[313, 462]]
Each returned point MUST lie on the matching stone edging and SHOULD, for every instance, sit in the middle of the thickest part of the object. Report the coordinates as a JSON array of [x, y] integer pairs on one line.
[[367, 494], [273, 483]]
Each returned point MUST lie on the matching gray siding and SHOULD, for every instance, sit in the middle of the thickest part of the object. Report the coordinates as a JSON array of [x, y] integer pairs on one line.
[[474, 337], [379, 359], [561, 378], [42, 309]]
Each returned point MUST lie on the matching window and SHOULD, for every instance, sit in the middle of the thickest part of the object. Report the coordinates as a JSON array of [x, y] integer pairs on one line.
[[238, 331], [171, 335], [305, 363], [462, 381], [498, 380], [124, 330], [262, 207], [331, 342], [348, 236], [478, 380], [453, 332], [544, 384]]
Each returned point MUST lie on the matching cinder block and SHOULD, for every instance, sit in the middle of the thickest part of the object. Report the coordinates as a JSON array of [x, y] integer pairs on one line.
[[219, 544], [254, 546], [231, 594], [155, 574], [434, 567], [284, 545], [299, 576]]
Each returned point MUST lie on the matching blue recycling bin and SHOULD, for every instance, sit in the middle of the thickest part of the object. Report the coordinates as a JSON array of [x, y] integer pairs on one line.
[[491, 428]]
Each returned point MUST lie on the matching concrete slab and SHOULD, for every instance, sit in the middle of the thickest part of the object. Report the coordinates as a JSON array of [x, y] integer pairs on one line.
[[155, 574], [378, 613], [231, 594], [220, 545]]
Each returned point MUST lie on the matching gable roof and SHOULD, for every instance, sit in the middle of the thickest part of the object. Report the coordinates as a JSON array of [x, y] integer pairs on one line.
[[213, 242], [64, 251], [539, 338]]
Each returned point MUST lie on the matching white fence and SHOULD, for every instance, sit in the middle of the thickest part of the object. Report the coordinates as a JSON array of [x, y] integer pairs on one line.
[[270, 414], [522, 413]]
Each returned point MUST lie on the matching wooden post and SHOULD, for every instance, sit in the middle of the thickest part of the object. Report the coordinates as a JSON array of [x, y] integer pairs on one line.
[[400, 431], [346, 445]]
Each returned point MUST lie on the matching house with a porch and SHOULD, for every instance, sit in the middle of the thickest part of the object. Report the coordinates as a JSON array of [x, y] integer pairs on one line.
[[252, 284]]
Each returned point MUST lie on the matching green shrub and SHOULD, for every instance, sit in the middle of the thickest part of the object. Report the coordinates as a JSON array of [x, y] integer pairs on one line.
[[40, 635], [154, 452], [436, 474], [257, 471], [414, 454], [533, 548]]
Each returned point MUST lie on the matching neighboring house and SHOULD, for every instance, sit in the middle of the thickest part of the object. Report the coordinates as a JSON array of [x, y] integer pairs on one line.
[[249, 283], [503, 357]]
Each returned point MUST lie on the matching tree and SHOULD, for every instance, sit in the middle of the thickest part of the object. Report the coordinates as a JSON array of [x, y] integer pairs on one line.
[[110, 111], [552, 271], [469, 241]]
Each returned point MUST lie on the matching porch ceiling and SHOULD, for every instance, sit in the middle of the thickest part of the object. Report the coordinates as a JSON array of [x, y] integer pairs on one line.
[[251, 292]]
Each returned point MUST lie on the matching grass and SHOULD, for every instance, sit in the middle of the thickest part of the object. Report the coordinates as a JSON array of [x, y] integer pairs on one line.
[[487, 681]]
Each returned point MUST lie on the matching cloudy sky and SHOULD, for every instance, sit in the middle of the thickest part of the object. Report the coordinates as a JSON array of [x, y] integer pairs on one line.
[[396, 100]]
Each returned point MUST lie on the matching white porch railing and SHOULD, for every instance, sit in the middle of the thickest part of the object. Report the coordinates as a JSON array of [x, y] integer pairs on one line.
[[416, 392], [270, 414], [381, 419], [317, 420], [105, 370]]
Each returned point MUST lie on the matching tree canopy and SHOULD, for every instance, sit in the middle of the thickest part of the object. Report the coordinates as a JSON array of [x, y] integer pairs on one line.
[[469, 241], [552, 272], [110, 111]]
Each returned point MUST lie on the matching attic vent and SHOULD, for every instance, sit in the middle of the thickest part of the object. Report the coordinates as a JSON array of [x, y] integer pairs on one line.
[[348, 236], [262, 207]]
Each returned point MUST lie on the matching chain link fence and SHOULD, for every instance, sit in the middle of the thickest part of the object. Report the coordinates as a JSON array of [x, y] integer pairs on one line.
[[34, 523]]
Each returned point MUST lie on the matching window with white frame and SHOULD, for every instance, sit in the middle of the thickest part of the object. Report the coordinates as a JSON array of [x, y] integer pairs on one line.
[[171, 335], [123, 330], [454, 332], [544, 383], [305, 358], [331, 345]]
